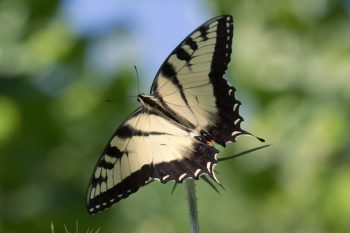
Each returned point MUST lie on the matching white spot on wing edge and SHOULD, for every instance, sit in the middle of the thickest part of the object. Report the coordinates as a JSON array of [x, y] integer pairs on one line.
[[98, 172], [236, 121], [213, 172], [97, 190], [182, 176], [212, 169], [235, 133], [109, 159], [165, 177], [92, 193], [235, 106], [197, 172], [103, 187], [208, 166]]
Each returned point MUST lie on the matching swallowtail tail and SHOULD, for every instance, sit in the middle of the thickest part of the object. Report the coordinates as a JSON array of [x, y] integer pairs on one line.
[[171, 136]]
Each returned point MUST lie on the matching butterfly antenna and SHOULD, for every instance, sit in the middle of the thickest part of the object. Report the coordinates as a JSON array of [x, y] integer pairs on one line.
[[138, 81], [119, 100]]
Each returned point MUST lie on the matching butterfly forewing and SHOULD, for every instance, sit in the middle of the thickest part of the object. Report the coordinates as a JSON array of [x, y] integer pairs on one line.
[[191, 83]]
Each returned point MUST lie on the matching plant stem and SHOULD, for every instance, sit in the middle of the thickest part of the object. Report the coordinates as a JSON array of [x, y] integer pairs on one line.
[[192, 205], [191, 192]]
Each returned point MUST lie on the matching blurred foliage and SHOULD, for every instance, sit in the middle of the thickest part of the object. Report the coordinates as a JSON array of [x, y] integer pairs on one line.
[[291, 67]]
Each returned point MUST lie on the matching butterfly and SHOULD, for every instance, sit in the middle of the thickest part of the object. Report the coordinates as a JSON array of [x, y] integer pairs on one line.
[[171, 136]]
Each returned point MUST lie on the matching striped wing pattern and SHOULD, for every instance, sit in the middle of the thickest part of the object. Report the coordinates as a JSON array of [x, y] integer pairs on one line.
[[147, 146], [194, 107]]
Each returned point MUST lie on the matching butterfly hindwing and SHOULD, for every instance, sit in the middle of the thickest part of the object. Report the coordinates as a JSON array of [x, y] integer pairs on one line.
[[191, 83], [147, 146]]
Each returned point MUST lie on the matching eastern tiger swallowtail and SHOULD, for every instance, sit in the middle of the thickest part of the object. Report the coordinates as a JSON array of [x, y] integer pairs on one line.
[[171, 136]]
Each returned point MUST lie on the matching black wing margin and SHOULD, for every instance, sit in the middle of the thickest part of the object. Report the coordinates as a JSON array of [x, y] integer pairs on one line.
[[190, 82]]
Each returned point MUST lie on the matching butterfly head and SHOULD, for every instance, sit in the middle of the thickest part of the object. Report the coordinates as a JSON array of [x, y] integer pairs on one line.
[[147, 101], [140, 96]]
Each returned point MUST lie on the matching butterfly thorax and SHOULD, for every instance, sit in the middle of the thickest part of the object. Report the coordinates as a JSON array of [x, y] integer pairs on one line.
[[155, 105]]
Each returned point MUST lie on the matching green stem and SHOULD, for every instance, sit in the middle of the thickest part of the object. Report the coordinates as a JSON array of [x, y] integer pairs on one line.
[[192, 205]]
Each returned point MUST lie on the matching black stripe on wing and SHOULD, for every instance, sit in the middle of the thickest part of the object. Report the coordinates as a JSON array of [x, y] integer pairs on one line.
[[227, 123], [127, 131], [168, 71], [222, 52]]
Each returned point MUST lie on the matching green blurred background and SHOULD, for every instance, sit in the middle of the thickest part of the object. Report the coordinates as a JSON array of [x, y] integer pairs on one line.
[[60, 61]]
